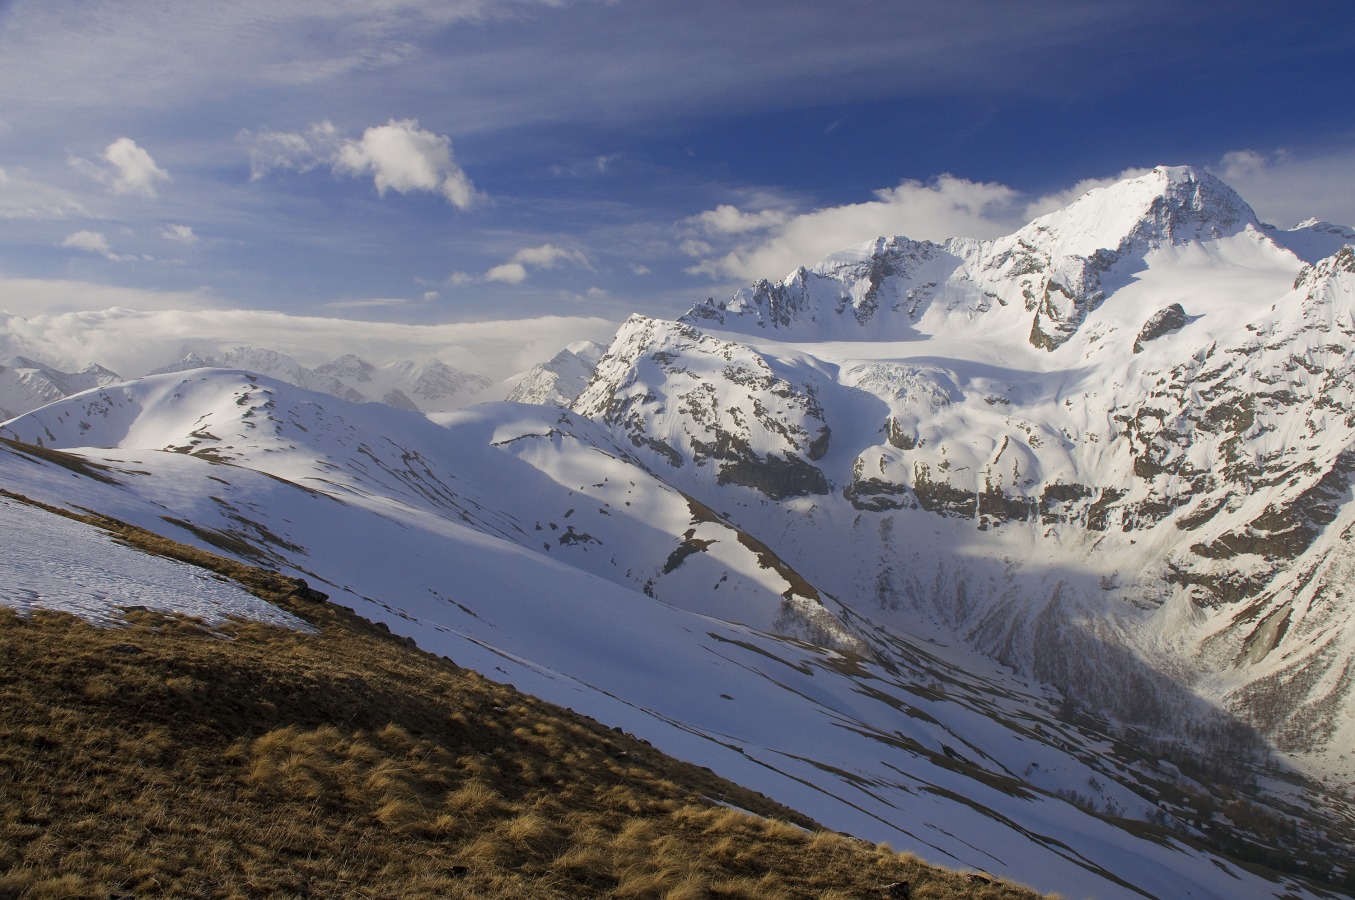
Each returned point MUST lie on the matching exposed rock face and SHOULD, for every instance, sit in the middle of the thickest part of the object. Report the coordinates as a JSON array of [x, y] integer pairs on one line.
[[682, 397], [1160, 492], [1163, 322]]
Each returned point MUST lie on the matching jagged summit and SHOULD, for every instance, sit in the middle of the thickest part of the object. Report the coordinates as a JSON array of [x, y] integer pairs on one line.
[[559, 380], [27, 384], [1034, 288]]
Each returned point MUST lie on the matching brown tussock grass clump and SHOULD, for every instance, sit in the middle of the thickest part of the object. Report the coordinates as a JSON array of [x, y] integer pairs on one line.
[[167, 758]]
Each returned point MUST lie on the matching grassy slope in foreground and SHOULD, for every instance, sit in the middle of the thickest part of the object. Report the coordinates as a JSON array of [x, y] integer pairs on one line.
[[169, 758]]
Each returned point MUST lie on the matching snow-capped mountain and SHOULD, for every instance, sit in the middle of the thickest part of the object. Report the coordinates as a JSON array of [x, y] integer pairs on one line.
[[1034, 287], [265, 362], [559, 380], [528, 543], [427, 386], [1113, 449], [26, 384], [1030, 555]]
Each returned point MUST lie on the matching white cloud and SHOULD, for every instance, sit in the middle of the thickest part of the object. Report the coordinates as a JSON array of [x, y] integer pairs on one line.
[[129, 169], [134, 172], [89, 241], [508, 273], [179, 234], [1240, 164], [1285, 187], [515, 271], [399, 156], [40, 298], [727, 219], [548, 256], [402, 158], [302, 151], [132, 342], [21, 198], [95, 242], [944, 207]]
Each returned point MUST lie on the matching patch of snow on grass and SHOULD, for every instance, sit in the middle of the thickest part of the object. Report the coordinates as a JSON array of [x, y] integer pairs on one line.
[[52, 563]]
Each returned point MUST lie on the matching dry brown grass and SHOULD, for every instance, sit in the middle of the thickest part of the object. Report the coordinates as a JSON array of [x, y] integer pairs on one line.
[[165, 759]]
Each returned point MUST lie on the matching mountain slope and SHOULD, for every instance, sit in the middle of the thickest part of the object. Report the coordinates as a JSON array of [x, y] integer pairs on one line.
[[920, 744], [162, 756]]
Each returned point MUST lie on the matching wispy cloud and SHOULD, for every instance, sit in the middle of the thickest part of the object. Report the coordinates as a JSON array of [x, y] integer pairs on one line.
[[179, 234], [515, 270], [770, 243], [1286, 187], [95, 242], [23, 198], [319, 144]]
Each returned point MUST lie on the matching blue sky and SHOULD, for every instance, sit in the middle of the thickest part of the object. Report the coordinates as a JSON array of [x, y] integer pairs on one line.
[[425, 163]]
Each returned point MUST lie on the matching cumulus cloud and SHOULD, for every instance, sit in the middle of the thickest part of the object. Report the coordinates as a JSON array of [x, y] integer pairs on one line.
[[507, 273], [771, 243], [127, 169], [403, 158], [399, 156]]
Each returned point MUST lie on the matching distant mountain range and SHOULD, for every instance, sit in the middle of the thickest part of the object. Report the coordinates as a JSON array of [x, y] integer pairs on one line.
[[428, 386]]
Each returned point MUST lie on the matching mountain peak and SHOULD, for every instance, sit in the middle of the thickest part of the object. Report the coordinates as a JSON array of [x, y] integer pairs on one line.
[[1169, 205], [348, 367]]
